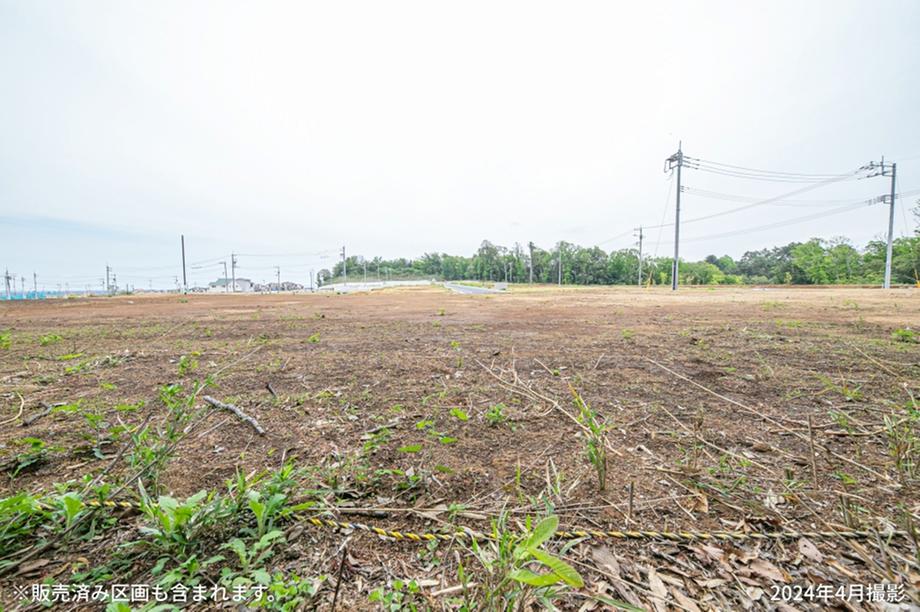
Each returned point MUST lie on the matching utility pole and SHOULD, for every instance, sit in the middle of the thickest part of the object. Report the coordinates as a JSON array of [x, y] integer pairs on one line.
[[344, 266], [640, 255], [676, 160], [311, 280], [894, 176], [35, 284], [184, 278], [278, 276], [365, 271], [559, 258], [6, 280], [108, 284], [233, 270], [226, 286], [530, 246], [883, 169], [114, 284]]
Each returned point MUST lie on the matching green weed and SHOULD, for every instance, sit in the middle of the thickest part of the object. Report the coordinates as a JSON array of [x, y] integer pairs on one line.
[[495, 415], [595, 440], [905, 335]]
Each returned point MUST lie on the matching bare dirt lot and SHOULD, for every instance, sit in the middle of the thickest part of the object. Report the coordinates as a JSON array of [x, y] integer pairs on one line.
[[420, 410]]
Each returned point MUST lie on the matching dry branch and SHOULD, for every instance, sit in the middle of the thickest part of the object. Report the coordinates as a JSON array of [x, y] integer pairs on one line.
[[22, 404], [771, 420], [47, 410], [516, 386], [239, 413]]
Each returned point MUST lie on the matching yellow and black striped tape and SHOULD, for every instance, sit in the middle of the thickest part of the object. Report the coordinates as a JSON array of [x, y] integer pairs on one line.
[[597, 534], [674, 536]]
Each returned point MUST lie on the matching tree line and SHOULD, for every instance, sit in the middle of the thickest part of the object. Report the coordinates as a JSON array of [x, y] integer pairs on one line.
[[815, 262]]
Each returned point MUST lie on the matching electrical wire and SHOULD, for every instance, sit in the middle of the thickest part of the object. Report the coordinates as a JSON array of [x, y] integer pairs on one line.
[[617, 237], [715, 195], [767, 201], [664, 213], [750, 230], [743, 172], [313, 254], [756, 172]]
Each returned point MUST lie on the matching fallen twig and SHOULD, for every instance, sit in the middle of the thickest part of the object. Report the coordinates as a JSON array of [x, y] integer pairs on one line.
[[338, 580], [47, 410], [771, 420], [521, 389], [454, 589], [210, 429], [22, 404], [239, 413]]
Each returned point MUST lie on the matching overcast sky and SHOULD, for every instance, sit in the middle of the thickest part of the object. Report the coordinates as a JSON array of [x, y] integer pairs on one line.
[[398, 128]]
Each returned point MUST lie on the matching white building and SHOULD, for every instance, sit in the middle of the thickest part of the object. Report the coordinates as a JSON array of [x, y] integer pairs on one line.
[[240, 285]]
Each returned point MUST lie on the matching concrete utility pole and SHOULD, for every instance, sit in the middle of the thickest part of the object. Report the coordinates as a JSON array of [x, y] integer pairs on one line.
[[365, 271], [35, 284], [108, 284], [530, 246], [344, 267], [226, 285], [559, 258], [640, 255], [184, 278], [278, 276], [884, 169], [676, 160], [311, 280], [894, 177], [233, 270], [6, 280]]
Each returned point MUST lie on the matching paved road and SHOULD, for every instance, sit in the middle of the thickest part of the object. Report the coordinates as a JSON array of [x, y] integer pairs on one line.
[[469, 288], [353, 287]]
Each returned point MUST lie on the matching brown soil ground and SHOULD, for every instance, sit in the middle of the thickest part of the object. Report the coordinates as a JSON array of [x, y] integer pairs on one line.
[[401, 357]]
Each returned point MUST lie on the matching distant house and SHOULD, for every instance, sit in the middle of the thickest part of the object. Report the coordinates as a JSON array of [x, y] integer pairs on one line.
[[242, 285]]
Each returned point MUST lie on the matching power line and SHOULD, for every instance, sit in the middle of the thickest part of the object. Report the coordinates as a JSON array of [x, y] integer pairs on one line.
[[695, 161], [767, 201], [842, 209], [311, 254], [715, 195]]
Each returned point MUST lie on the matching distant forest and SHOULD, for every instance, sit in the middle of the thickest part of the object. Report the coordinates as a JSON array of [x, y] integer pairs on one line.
[[815, 262]]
